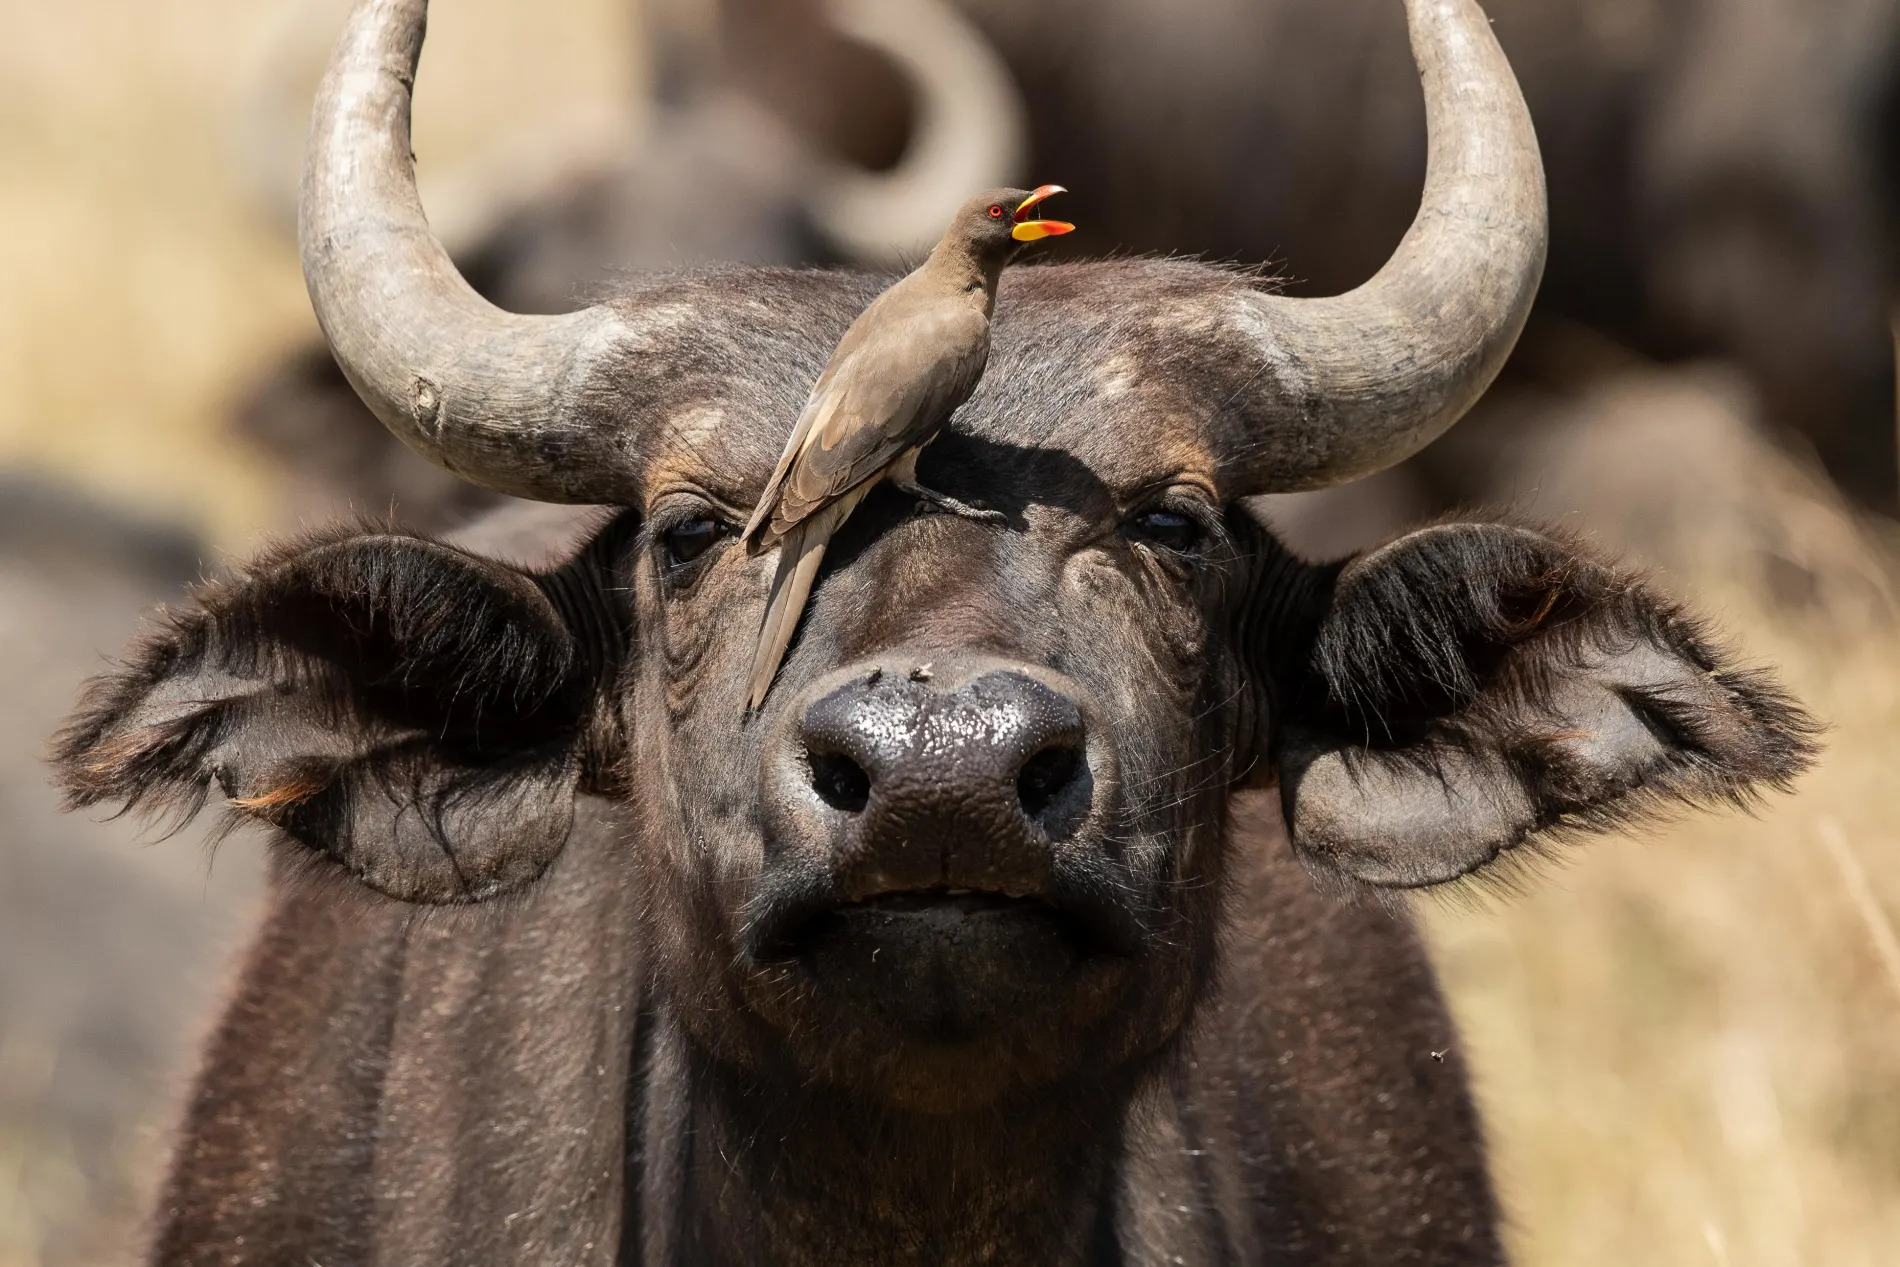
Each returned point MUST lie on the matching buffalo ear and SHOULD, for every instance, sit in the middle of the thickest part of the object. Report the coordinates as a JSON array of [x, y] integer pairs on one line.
[[414, 714], [1473, 688]]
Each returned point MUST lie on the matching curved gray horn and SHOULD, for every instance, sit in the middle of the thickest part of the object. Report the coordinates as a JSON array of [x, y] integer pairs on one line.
[[499, 399], [1339, 388], [971, 131]]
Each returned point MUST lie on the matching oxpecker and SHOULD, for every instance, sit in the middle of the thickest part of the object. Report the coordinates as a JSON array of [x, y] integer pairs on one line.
[[901, 370]]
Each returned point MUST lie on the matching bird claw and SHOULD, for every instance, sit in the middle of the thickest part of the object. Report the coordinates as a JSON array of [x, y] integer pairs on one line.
[[951, 506]]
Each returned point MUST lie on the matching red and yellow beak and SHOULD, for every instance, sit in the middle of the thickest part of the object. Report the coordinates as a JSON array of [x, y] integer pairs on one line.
[[1030, 230]]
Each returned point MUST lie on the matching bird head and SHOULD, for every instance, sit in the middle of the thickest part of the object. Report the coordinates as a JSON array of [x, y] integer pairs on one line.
[[1003, 218]]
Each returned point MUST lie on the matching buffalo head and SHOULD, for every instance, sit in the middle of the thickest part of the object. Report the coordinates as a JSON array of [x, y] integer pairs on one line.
[[976, 841]]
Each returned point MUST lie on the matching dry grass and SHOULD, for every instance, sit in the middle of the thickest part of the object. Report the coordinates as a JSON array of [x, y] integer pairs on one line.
[[1688, 1039], [1688, 1044]]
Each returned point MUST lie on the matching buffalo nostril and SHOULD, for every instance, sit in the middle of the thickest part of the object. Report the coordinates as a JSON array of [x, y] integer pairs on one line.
[[1044, 776], [840, 782]]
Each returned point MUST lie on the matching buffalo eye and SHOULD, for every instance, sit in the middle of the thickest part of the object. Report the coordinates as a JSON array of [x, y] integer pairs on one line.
[[1169, 529], [689, 539], [996, 211]]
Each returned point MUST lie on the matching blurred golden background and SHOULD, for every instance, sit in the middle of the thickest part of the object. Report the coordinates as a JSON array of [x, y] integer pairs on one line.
[[1686, 1041], [142, 276]]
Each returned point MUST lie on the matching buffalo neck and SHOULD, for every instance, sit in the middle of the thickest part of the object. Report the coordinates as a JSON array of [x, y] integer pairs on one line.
[[737, 1168]]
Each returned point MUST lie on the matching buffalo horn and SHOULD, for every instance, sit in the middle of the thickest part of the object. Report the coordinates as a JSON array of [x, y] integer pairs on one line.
[[1337, 388], [500, 399]]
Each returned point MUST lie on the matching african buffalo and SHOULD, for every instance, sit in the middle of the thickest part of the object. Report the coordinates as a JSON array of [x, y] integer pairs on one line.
[[972, 946]]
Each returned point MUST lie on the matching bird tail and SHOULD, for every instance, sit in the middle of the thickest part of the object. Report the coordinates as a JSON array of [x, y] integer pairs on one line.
[[801, 550]]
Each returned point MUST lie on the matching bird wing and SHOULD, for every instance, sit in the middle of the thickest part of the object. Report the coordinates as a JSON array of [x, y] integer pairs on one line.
[[882, 396], [817, 407]]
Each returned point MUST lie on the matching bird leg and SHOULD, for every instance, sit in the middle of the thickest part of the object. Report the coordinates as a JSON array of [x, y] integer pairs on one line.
[[948, 504]]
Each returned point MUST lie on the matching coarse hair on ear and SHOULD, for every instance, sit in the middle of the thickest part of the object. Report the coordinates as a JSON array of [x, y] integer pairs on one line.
[[412, 713], [1472, 691]]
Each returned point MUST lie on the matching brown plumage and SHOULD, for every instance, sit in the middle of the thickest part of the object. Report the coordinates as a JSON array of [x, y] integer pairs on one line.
[[905, 365]]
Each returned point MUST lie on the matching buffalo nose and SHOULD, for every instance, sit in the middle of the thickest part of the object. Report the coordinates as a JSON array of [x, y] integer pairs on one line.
[[965, 786]]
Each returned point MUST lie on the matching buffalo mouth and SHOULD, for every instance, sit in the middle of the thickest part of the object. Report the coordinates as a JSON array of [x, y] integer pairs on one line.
[[946, 909], [946, 964], [1091, 929]]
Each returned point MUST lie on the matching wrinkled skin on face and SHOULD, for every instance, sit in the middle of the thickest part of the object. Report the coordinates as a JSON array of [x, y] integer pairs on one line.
[[1116, 583]]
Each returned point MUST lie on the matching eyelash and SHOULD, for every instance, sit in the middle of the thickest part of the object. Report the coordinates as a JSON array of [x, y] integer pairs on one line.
[[672, 565], [1202, 537]]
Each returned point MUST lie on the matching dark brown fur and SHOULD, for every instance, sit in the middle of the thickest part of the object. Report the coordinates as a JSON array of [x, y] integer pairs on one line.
[[576, 1040]]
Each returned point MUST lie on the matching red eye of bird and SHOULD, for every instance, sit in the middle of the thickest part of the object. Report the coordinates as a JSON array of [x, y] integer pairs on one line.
[[996, 211]]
